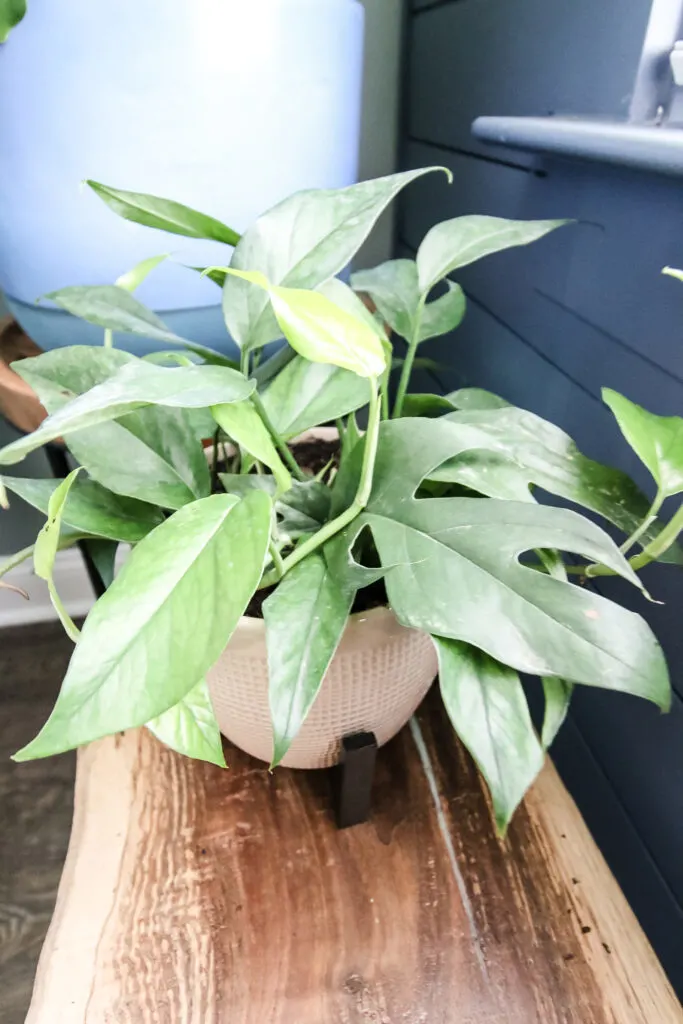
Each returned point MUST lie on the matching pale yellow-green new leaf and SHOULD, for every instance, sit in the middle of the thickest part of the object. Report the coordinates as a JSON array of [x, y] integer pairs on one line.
[[190, 727], [46, 547], [320, 330]]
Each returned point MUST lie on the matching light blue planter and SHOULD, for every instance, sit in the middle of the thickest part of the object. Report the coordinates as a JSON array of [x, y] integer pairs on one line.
[[225, 105]]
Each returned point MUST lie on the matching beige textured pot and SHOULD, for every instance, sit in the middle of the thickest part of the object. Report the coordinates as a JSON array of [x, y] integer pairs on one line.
[[377, 679]]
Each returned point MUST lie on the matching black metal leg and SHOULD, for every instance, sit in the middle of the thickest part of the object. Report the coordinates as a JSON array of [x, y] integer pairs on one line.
[[59, 464], [354, 778]]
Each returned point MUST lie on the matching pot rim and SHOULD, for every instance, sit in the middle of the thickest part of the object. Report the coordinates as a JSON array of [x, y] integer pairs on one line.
[[380, 618]]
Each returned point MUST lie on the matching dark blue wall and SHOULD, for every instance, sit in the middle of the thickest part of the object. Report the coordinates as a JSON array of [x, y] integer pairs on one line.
[[548, 326]]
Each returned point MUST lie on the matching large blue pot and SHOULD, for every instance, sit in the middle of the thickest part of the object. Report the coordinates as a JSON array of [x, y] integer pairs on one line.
[[225, 105]]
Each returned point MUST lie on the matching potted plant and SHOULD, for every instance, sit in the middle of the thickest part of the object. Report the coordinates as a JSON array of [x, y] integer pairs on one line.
[[360, 557], [154, 114]]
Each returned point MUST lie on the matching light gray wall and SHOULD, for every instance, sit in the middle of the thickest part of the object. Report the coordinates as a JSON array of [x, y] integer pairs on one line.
[[549, 325]]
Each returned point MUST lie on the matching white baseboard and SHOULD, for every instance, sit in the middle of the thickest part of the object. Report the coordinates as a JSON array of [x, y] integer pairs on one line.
[[71, 580]]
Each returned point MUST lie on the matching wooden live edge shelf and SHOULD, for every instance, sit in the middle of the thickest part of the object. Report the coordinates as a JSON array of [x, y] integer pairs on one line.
[[193, 895]]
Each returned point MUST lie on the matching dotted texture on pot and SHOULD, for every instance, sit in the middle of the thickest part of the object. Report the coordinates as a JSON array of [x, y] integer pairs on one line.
[[377, 679]]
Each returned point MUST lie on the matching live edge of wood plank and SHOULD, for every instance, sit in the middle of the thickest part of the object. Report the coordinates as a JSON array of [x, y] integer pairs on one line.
[[192, 895]]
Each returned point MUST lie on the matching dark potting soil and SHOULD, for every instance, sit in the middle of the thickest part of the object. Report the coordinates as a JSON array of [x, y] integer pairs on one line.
[[313, 456]]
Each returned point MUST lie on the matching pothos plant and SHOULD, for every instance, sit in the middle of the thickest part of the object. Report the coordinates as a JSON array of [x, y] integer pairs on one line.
[[435, 497]]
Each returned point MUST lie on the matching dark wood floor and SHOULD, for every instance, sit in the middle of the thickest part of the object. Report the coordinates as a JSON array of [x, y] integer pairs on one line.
[[36, 802]]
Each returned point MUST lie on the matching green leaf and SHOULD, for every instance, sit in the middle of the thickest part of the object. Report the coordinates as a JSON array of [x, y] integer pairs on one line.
[[11, 13], [303, 241], [134, 386], [320, 330], [455, 572], [190, 727], [672, 272], [132, 279], [115, 309], [47, 546], [486, 704], [306, 394], [516, 449], [426, 405], [558, 696], [301, 510], [103, 555], [91, 509], [242, 423], [656, 440], [164, 214], [162, 624], [457, 243], [152, 454], [394, 288], [473, 399], [305, 618]]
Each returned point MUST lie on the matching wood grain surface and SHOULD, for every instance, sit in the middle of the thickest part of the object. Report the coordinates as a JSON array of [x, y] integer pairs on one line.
[[193, 895]]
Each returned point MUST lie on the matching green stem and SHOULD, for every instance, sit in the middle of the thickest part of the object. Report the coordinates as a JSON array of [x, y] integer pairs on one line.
[[645, 525], [655, 549], [108, 338], [278, 561], [384, 392], [335, 526], [407, 370], [281, 446], [244, 361]]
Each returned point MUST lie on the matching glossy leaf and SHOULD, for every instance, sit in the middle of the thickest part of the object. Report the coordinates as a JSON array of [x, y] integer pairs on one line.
[[305, 618], [457, 243], [558, 695], [305, 394], [455, 572], [320, 330], [134, 386], [473, 399], [485, 702], [133, 278], [426, 405], [242, 423], [304, 240], [164, 214], [190, 727], [91, 509], [115, 309], [342, 295], [517, 449], [656, 440], [162, 624], [47, 546], [11, 13], [394, 288], [152, 454]]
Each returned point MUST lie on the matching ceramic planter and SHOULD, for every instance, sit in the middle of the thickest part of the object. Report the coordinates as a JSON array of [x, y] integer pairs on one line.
[[225, 106], [377, 679], [379, 675]]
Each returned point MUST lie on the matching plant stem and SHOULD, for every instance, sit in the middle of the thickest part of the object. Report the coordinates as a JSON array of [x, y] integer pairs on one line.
[[244, 361], [214, 464], [645, 525], [289, 459], [278, 561], [655, 549], [407, 370], [108, 338], [384, 392], [335, 526]]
